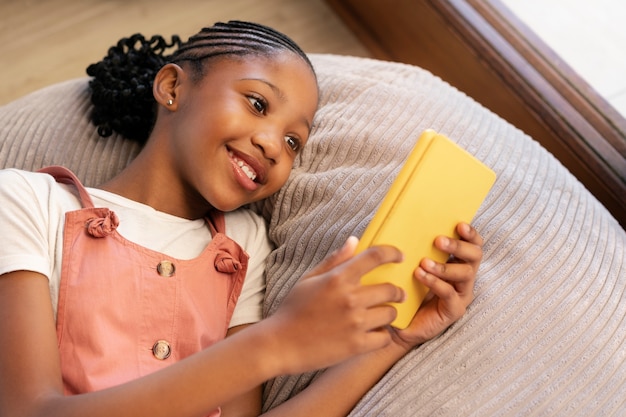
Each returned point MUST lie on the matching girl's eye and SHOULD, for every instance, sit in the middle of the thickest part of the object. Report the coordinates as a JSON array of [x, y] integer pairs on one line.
[[258, 104], [293, 143]]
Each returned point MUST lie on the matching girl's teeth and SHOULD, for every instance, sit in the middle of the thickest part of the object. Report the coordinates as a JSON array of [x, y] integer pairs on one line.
[[248, 172], [245, 168]]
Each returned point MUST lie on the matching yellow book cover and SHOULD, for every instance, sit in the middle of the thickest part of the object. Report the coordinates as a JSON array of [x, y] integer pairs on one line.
[[439, 186]]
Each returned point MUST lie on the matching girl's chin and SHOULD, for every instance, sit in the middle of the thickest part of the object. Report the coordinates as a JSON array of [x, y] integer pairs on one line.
[[227, 206]]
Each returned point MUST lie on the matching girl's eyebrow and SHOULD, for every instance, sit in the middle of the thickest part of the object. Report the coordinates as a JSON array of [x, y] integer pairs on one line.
[[279, 93]]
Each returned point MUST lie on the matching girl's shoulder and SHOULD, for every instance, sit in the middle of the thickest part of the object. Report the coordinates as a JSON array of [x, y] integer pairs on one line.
[[20, 186], [20, 182], [16, 174]]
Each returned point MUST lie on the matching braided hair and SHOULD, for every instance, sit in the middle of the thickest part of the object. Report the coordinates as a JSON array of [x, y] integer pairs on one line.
[[121, 87]]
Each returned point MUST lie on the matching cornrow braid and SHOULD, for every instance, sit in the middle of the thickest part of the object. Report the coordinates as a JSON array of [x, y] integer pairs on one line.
[[121, 87], [235, 38]]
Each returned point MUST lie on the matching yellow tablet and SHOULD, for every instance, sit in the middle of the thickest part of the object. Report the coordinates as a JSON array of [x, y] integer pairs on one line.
[[439, 186]]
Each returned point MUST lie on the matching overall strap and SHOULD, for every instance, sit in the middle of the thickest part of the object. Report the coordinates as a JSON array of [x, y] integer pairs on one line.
[[217, 222], [65, 176]]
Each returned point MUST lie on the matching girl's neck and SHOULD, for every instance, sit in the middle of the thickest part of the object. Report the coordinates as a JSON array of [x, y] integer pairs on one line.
[[149, 180]]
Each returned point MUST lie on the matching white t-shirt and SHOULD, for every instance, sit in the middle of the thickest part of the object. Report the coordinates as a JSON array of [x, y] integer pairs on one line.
[[32, 216]]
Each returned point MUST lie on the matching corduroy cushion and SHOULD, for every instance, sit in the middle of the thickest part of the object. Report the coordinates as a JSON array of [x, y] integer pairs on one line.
[[546, 334]]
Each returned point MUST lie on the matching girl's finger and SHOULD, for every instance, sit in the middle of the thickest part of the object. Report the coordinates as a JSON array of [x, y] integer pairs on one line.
[[343, 262], [469, 234], [380, 316], [459, 249], [452, 272], [335, 258], [438, 287], [377, 294], [376, 339], [365, 261]]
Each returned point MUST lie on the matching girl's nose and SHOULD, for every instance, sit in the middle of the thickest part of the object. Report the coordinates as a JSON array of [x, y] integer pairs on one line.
[[270, 143]]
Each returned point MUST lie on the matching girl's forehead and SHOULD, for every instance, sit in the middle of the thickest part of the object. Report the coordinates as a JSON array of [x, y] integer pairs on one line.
[[270, 60], [280, 68]]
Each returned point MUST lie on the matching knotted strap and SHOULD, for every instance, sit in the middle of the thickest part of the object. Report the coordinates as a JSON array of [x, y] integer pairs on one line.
[[103, 226], [227, 259]]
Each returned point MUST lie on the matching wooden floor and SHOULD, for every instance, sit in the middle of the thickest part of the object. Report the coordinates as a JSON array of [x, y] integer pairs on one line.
[[46, 41]]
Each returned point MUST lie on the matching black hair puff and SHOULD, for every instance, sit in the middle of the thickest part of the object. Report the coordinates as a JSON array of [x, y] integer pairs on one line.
[[121, 87]]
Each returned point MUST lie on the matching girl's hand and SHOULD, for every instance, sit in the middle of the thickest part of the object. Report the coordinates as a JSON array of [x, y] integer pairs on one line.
[[329, 316], [451, 287]]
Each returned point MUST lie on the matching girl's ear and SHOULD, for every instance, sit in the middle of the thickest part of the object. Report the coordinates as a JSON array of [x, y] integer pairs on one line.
[[167, 85]]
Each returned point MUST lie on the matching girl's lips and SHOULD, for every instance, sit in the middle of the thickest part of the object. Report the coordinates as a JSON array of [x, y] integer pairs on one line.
[[245, 168], [249, 171], [242, 178]]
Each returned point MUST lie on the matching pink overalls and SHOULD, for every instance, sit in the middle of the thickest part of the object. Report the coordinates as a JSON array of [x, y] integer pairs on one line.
[[125, 311]]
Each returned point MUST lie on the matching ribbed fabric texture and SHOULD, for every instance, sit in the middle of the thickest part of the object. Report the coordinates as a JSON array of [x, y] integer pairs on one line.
[[546, 334], [51, 127]]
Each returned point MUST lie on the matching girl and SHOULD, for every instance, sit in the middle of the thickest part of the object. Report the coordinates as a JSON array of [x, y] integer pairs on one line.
[[132, 297]]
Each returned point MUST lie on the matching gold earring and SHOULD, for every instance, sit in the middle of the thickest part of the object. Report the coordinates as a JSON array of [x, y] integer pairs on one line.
[[170, 102]]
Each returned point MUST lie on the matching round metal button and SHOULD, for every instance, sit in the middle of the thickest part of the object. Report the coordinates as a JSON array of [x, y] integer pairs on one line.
[[166, 269], [161, 350]]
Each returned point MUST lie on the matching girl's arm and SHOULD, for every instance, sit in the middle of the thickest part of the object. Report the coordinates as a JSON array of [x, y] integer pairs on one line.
[[250, 403], [324, 320], [339, 388]]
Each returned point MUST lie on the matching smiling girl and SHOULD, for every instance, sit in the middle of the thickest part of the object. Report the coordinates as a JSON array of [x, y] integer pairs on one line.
[[136, 298]]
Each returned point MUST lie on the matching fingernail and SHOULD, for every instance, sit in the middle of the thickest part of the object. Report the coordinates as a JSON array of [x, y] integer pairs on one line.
[[351, 242], [429, 264], [421, 274]]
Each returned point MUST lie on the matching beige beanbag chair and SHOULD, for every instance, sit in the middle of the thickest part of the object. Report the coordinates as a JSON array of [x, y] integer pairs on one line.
[[546, 334]]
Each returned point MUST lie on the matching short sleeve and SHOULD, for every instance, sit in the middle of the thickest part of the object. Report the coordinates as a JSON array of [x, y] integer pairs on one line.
[[25, 222]]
